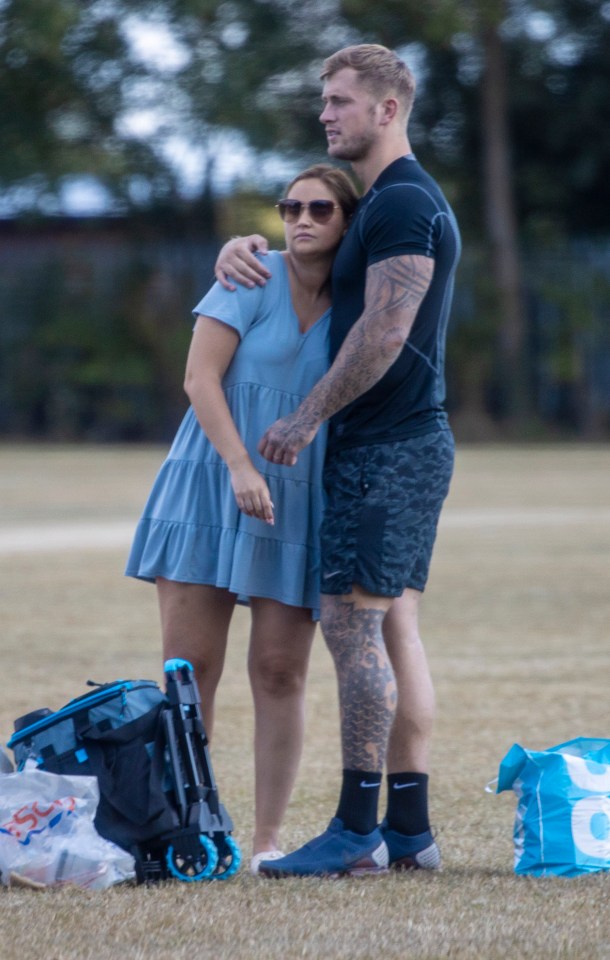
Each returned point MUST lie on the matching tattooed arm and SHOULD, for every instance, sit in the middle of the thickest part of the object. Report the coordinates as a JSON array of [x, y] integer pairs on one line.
[[395, 289]]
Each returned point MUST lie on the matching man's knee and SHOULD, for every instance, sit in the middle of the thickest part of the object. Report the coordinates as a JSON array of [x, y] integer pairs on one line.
[[352, 625]]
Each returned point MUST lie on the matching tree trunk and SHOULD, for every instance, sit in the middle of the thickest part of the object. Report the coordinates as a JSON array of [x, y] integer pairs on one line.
[[501, 225]]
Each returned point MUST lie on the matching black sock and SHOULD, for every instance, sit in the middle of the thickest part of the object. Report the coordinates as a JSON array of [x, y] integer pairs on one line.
[[358, 801], [408, 803]]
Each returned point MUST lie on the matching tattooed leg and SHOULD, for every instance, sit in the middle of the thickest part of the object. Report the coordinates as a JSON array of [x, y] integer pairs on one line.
[[367, 689]]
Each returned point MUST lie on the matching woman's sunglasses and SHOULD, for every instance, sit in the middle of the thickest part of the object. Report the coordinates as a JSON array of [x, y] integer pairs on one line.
[[320, 211]]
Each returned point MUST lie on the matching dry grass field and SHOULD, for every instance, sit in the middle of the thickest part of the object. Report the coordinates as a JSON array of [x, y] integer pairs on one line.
[[516, 620]]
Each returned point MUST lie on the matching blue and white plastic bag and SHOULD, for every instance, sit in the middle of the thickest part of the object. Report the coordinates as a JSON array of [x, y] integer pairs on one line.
[[562, 823]]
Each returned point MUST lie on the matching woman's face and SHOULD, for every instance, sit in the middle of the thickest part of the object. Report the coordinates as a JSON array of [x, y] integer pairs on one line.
[[306, 235]]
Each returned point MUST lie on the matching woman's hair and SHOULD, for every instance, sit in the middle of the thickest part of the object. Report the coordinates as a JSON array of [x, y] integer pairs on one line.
[[379, 69], [337, 182]]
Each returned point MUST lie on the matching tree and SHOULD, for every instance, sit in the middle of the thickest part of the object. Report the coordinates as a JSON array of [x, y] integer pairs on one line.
[[80, 96], [512, 116], [529, 65], [501, 216], [67, 77]]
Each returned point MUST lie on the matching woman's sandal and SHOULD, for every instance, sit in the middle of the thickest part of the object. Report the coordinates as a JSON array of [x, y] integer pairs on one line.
[[257, 859]]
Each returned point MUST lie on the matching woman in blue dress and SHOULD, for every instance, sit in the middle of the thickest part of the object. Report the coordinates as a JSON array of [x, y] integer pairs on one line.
[[224, 525]]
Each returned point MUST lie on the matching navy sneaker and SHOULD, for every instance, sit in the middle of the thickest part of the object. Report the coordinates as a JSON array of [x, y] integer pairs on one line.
[[335, 853], [418, 852]]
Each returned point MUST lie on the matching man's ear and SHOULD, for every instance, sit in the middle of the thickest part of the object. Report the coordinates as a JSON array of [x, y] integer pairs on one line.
[[389, 109]]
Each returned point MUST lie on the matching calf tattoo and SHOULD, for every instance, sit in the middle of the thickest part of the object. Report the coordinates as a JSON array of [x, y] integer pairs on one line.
[[367, 688]]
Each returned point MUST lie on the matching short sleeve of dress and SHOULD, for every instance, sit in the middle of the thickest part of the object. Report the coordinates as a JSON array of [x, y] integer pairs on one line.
[[240, 308]]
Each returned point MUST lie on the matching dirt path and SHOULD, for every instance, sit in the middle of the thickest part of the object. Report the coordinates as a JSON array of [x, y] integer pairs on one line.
[[117, 534]]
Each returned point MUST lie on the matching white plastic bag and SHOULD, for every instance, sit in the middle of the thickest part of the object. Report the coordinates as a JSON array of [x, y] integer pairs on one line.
[[47, 834], [6, 765]]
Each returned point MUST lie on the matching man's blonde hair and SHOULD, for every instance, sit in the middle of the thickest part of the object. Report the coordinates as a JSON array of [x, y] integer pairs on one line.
[[380, 70]]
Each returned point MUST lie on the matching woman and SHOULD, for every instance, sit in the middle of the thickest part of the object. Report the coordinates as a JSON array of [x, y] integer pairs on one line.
[[222, 524]]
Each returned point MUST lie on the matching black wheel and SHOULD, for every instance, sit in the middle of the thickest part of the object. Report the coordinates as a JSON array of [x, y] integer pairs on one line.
[[229, 859], [191, 867]]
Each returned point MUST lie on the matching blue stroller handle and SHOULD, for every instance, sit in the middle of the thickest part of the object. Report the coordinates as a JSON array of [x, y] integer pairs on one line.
[[176, 663]]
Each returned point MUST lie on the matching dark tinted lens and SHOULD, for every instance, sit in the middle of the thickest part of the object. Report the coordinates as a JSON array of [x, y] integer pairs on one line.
[[289, 209], [321, 210]]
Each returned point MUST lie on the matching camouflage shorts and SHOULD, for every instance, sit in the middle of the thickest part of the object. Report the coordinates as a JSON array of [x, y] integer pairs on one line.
[[381, 514]]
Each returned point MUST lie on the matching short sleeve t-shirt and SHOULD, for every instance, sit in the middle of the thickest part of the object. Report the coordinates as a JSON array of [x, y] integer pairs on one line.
[[404, 212]]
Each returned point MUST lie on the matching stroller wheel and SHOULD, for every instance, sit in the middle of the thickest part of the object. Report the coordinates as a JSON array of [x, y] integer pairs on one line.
[[229, 858], [199, 865]]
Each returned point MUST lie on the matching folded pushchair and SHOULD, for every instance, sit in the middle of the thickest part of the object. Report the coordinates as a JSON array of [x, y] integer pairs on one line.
[[149, 751]]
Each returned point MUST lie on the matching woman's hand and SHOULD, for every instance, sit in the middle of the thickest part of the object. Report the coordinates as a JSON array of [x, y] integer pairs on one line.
[[252, 493], [237, 260]]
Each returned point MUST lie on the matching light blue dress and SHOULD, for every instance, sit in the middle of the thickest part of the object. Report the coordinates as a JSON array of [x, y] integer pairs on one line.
[[192, 530]]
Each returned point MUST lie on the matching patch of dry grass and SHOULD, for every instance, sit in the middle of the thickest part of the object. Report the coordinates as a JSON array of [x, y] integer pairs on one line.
[[516, 624]]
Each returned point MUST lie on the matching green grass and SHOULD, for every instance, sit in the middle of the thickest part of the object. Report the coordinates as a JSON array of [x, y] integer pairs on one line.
[[515, 619]]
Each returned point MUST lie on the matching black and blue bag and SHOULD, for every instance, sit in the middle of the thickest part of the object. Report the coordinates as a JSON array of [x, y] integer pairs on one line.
[[148, 750], [111, 733]]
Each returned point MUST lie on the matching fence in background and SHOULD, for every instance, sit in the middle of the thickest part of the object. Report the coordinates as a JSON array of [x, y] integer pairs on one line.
[[95, 325]]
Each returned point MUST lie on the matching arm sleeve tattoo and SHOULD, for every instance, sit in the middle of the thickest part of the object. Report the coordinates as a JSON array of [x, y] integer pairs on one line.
[[395, 289]]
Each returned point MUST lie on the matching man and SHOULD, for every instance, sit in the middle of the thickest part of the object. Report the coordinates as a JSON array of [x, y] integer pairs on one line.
[[389, 464]]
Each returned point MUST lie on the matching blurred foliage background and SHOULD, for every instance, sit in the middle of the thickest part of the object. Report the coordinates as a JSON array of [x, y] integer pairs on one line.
[[137, 136]]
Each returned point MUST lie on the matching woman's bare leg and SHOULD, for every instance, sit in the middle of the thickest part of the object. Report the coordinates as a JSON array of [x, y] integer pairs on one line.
[[280, 645], [195, 624]]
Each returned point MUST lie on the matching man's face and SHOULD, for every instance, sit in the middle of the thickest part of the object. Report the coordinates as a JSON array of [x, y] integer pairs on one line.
[[349, 116]]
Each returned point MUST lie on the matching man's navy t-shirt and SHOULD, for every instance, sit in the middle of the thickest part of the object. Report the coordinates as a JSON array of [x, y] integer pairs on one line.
[[404, 212]]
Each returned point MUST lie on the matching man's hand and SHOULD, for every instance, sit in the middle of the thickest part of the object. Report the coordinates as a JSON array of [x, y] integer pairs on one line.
[[284, 439], [237, 260]]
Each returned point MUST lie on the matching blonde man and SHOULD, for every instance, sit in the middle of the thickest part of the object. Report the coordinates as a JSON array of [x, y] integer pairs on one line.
[[388, 467]]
